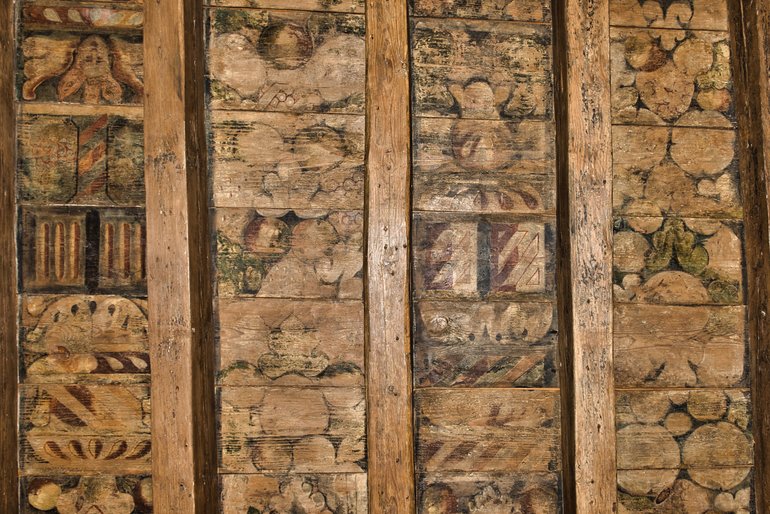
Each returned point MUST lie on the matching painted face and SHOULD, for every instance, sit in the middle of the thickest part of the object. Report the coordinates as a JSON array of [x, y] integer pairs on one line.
[[91, 72], [285, 45]]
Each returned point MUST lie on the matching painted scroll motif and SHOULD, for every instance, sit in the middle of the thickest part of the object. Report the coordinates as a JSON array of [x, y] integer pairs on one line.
[[84, 356], [483, 247], [287, 172]]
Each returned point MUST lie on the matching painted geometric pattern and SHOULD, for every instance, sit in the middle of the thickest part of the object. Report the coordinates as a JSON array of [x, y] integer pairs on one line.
[[484, 201], [84, 363]]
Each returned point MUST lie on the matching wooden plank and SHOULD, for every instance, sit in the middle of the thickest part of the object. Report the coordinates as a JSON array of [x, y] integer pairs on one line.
[[83, 250], [484, 166], [473, 257], [84, 339], [302, 61], [389, 379], [696, 15], [750, 24], [342, 6], [324, 434], [179, 262], [584, 210], [289, 254], [277, 160], [48, 15], [515, 10], [322, 493], [675, 346], [291, 343], [706, 432], [85, 428], [678, 171], [509, 75], [677, 261], [487, 430], [9, 367], [495, 344], [671, 77], [74, 67], [478, 493], [121, 494], [86, 160]]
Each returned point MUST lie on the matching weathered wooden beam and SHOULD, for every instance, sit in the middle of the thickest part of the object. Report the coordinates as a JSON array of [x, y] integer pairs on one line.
[[179, 282], [750, 28], [584, 162], [389, 387], [9, 368]]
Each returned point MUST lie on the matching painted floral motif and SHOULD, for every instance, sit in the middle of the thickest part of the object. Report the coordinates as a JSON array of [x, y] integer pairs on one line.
[[678, 261], [87, 495], [318, 256], [268, 61]]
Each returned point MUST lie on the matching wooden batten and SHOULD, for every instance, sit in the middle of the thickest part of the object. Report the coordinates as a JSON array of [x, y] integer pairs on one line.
[[750, 23], [179, 279], [584, 163], [389, 389], [9, 498]]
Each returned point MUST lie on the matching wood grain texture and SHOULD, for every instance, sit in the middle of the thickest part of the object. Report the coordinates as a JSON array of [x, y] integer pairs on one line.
[[179, 277], [343, 6], [300, 61], [487, 430], [679, 171], [83, 339], [289, 254], [9, 495], [695, 15], [122, 494], [680, 346], [585, 254], [664, 77], [515, 10], [85, 160], [685, 451], [277, 160], [675, 261], [750, 23], [484, 166], [344, 493], [79, 250], [291, 343], [389, 380], [481, 69], [474, 257], [93, 67], [495, 344], [484, 493], [292, 430], [85, 429]]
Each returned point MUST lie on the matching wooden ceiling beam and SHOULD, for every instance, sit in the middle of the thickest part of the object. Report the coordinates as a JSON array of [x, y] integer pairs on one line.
[[178, 260], [584, 211], [388, 372]]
